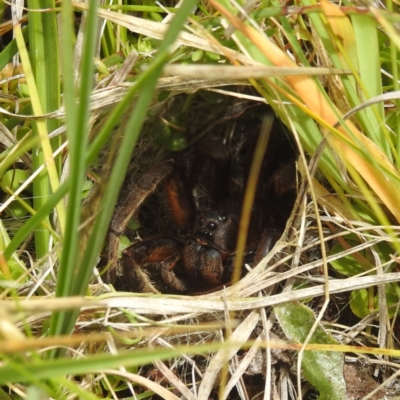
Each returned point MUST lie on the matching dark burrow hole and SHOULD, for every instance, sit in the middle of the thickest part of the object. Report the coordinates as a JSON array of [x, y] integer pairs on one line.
[[204, 129]]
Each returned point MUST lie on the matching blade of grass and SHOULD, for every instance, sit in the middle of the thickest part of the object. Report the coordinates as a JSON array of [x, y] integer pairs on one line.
[[77, 118], [369, 79], [250, 192], [395, 73], [41, 370], [52, 63], [366, 34], [29, 376], [19, 266], [42, 76], [394, 49], [21, 372]]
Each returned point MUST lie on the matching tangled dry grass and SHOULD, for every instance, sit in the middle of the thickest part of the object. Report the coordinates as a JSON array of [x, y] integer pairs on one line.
[[238, 316]]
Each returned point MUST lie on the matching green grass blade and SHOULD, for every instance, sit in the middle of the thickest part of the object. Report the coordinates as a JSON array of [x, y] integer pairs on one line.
[[62, 367], [77, 127], [52, 62], [392, 35], [41, 185], [43, 40], [366, 33]]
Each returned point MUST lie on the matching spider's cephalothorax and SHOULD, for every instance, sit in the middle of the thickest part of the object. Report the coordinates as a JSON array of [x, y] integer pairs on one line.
[[201, 256]]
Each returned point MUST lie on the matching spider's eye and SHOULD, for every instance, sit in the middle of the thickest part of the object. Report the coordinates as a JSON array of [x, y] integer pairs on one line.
[[212, 226], [222, 218]]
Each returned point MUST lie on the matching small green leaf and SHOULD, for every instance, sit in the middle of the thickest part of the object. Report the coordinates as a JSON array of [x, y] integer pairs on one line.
[[346, 265], [23, 90], [124, 242], [13, 179], [101, 67], [359, 303], [17, 210], [16, 268], [197, 55], [156, 17], [87, 185], [213, 56], [35, 393], [323, 369], [349, 265]]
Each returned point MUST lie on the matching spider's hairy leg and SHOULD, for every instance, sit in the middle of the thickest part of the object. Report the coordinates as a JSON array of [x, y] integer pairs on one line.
[[145, 185], [180, 200], [163, 250], [169, 277], [203, 263]]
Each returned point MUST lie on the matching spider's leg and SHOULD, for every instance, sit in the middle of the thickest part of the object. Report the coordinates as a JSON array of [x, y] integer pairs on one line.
[[145, 185], [180, 200], [169, 277], [202, 264], [164, 250]]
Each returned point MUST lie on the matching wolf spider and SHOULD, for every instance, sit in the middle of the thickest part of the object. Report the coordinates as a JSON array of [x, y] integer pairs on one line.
[[201, 256]]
